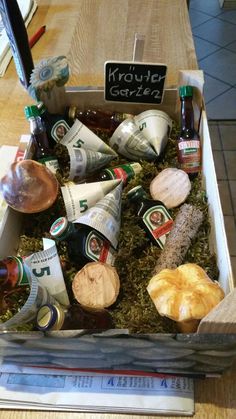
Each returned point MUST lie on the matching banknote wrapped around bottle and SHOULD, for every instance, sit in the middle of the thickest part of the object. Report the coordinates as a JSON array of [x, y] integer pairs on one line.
[[137, 257]]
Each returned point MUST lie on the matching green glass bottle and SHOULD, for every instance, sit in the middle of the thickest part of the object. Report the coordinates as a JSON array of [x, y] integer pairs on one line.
[[84, 244], [153, 216]]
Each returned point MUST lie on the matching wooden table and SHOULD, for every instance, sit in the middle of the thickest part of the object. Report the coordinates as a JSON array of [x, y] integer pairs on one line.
[[89, 32]]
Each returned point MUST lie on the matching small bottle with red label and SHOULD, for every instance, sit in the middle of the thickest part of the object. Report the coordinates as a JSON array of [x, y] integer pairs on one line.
[[153, 216], [84, 244], [188, 144], [125, 172]]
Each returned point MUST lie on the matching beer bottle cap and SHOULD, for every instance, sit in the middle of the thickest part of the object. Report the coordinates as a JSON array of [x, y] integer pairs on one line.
[[58, 227]]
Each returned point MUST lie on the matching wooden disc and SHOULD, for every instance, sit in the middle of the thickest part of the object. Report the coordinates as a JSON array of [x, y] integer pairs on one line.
[[96, 285], [171, 186]]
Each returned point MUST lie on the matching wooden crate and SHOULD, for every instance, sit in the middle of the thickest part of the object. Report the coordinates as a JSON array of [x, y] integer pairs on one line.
[[209, 351]]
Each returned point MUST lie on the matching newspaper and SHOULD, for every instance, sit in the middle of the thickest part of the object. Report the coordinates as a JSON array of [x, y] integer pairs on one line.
[[43, 389], [27, 8]]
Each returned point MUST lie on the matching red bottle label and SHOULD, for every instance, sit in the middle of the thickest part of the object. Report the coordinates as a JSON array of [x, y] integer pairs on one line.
[[99, 249], [159, 223], [189, 155]]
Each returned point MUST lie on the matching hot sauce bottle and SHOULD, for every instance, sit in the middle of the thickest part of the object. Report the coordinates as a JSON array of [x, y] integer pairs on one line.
[[188, 144], [153, 215], [84, 243]]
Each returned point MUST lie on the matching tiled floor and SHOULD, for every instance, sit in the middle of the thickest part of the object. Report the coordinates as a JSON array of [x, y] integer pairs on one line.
[[223, 137], [214, 32]]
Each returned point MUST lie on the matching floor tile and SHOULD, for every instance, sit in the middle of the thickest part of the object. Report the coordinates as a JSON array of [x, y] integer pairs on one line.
[[217, 31], [225, 197], [230, 229], [228, 136], [223, 107], [208, 6], [219, 165], [221, 65], [232, 186], [215, 136], [231, 46], [197, 18], [228, 16], [203, 48], [230, 161], [213, 87]]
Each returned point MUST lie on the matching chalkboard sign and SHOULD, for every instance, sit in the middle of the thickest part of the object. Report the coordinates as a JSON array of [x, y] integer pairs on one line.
[[134, 82]]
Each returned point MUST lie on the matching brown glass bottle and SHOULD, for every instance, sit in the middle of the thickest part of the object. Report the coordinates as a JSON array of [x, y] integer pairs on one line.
[[97, 119], [152, 215], [55, 317], [188, 144], [38, 132]]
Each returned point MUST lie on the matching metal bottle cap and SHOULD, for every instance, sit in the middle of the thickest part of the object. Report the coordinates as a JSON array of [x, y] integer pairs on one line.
[[46, 317], [58, 227], [31, 111], [185, 91]]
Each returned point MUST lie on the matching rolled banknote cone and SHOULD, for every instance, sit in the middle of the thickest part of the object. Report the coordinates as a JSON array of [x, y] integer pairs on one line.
[[105, 216], [84, 162], [155, 126], [80, 136], [129, 141], [78, 198]]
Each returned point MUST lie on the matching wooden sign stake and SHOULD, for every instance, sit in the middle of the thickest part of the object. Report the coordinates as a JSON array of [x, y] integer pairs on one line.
[[138, 47]]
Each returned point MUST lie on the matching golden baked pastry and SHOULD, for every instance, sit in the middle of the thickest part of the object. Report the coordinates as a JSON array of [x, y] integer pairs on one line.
[[185, 294]]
